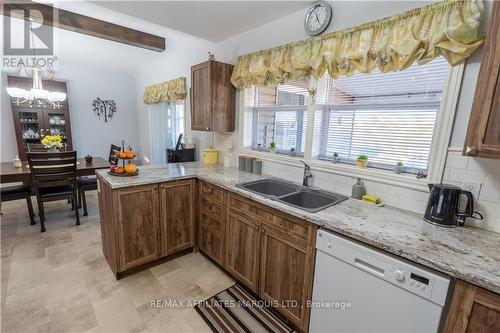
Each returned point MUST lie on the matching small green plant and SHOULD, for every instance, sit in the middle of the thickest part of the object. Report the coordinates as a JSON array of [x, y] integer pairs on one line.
[[363, 157], [335, 155], [399, 164], [292, 151], [272, 144]]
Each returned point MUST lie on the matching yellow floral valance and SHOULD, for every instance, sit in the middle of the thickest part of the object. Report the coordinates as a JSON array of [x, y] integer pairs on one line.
[[166, 91], [450, 29]]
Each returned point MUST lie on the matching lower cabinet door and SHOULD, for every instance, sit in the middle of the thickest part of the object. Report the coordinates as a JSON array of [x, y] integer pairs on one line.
[[211, 244], [473, 310], [285, 274], [242, 250], [137, 216], [176, 216]]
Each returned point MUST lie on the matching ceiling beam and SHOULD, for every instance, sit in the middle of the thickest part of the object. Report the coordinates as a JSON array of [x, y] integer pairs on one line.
[[63, 19]]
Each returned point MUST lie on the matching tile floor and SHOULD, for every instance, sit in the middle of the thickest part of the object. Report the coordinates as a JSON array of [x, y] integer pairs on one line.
[[60, 281]]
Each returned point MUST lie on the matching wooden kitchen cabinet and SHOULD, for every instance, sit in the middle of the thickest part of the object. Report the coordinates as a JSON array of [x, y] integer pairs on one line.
[[141, 224], [483, 134], [473, 310], [137, 216], [286, 270], [242, 249], [213, 97], [211, 222], [272, 254], [176, 216]]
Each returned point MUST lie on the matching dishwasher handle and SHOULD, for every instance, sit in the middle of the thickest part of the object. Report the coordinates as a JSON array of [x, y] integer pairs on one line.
[[370, 268]]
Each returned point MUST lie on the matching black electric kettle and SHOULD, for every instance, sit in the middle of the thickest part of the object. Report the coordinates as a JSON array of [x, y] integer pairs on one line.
[[443, 206]]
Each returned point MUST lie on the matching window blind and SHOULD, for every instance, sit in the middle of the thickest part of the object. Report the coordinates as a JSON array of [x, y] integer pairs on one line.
[[280, 115], [389, 117]]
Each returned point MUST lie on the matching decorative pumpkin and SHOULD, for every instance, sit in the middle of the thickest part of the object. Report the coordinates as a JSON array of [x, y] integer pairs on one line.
[[129, 154], [131, 168]]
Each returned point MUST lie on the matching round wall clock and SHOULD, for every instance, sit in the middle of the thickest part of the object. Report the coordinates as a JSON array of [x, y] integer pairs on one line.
[[318, 18]]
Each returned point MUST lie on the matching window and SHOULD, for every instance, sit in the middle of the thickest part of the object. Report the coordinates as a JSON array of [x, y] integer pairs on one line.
[[389, 117], [166, 121], [278, 114]]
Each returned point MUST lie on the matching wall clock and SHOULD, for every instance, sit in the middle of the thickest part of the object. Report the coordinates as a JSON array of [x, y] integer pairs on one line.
[[318, 18]]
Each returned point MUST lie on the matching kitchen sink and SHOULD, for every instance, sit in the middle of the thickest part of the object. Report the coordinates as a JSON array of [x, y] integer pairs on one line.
[[313, 201], [269, 187], [294, 195]]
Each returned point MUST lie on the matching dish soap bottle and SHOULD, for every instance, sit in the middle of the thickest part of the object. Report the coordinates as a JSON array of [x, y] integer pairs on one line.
[[358, 189]]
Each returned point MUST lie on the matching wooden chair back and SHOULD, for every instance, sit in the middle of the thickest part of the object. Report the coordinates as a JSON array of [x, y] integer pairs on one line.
[[50, 170], [38, 147]]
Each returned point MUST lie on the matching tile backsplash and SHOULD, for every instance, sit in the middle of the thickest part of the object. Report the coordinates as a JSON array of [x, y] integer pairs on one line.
[[458, 169]]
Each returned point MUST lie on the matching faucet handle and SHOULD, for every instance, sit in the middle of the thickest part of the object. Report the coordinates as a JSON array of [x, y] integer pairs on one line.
[[306, 165]]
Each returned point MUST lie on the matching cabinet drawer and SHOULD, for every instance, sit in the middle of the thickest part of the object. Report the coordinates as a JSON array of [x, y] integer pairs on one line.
[[211, 192], [211, 244], [246, 207], [211, 208], [296, 229], [208, 221]]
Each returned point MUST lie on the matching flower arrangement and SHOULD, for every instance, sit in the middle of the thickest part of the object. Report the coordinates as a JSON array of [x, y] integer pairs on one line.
[[52, 141]]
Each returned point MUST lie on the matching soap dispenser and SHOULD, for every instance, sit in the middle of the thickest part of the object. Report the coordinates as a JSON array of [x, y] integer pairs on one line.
[[358, 189]]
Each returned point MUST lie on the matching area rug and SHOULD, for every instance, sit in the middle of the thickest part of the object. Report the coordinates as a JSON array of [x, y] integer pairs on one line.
[[235, 310]]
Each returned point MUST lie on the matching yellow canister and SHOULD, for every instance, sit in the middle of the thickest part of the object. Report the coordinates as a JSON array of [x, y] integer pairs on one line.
[[210, 156]]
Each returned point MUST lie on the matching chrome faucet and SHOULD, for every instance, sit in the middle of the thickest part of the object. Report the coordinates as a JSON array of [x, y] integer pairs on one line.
[[307, 174]]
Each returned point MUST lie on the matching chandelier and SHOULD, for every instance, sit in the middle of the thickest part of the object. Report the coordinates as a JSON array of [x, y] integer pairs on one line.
[[36, 94]]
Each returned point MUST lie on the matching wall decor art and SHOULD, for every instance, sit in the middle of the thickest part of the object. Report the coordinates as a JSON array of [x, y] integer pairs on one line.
[[104, 108]]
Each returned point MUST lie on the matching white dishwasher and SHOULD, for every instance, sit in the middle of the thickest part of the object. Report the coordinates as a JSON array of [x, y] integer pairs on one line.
[[359, 289]]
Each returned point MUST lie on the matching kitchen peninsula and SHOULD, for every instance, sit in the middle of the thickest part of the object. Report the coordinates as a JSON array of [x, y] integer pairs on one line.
[[170, 208]]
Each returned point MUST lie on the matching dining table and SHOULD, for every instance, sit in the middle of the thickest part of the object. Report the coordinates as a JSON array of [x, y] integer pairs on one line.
[[10, 174]]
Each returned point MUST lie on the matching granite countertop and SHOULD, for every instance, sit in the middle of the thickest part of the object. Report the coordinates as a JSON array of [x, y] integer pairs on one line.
[[467, 253]]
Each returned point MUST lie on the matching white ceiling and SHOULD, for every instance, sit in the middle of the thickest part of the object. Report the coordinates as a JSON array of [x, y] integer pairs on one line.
[[211, 20]]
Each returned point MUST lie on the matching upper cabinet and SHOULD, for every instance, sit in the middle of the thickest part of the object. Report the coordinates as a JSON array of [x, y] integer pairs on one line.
[[213, 97], [483, 134]]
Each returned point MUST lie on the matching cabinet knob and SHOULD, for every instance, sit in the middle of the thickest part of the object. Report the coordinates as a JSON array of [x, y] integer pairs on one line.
[[470, 150]]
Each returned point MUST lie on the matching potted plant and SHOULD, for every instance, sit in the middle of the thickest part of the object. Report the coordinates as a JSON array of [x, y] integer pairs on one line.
[[272, 147], [362, 161], [52, 142], [259, 146], [399, 167], [292, 152], [335, 157]]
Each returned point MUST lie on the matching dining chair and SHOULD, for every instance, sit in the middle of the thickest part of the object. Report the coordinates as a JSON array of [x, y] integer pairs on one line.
[[85, 184], [38, 147], [18, 192], [54, 178], [90, 183]]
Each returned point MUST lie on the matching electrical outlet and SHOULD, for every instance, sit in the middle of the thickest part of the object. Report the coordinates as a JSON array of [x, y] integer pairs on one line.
[[473, 187]]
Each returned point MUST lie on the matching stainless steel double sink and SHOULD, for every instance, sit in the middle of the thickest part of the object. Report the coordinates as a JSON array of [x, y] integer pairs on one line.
[[297, 196]]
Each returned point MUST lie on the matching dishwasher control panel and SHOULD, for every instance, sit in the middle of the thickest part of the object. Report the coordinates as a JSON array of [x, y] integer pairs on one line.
[[427, 284]]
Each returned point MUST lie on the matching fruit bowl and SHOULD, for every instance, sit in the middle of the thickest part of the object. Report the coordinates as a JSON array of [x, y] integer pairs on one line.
[[111, 173]]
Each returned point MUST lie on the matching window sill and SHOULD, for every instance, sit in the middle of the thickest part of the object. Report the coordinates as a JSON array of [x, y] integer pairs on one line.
[[380, 176]]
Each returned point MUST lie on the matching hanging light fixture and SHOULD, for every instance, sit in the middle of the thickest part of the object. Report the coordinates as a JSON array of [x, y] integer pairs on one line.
[[36, 93]]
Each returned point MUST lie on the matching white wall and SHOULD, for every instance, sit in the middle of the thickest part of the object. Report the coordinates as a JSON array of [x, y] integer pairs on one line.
[[90, 134]]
